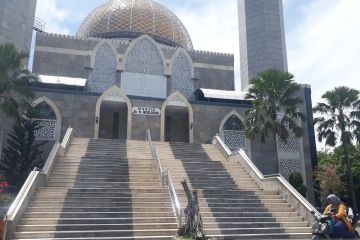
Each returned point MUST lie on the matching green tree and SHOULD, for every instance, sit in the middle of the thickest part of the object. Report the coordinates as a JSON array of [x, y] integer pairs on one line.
[[13, 81], [275, 108], [296, 180], [336, 158], [22, 152], [340, 123], [329, 180]]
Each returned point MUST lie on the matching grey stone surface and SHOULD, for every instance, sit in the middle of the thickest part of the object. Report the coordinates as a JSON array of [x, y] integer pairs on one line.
[[306, 142], [57, 64], [262, 37], [70, 64], [215, 79], [16, 23], [262, 154], [212, 58], [141, 123], [207, 119], [77, 111]]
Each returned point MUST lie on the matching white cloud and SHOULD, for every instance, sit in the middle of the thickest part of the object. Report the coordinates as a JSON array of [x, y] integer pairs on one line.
[[49, 11], [324, 49]]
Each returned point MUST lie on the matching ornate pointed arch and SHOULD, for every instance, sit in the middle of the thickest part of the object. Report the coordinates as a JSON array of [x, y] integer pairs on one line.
[[99, 45], [144, 56], [182, 52], [113, 94], [104, 64], [177, 99], [182, 73], [234, 139], [53, 106], [227, 116]]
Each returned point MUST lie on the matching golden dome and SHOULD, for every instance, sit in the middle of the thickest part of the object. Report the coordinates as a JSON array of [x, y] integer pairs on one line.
[[131, 18]]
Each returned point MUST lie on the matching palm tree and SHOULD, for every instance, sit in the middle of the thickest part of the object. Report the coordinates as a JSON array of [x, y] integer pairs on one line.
[[340, 123], [13, 81], [275, 108]]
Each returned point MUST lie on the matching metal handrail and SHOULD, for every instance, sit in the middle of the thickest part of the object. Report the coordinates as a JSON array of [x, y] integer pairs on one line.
[[166, 180], [66, 140], [16, 204], [36, 178], [276, 180]]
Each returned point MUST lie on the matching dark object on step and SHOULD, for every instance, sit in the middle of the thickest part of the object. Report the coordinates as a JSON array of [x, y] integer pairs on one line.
[[193, 226]]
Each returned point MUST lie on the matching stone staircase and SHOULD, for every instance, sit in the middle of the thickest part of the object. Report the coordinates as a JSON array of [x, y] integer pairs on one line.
[[231, 204], [101, 189]]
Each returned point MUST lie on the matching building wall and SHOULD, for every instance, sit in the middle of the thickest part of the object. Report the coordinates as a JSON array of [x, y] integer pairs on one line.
[[261, 37], [308, 142], [77, 109], [70, 56], [16, 23]]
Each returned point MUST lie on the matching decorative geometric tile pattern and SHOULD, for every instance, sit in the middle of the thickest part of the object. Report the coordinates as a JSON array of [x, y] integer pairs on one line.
[[292, 144], [114, 94], [140, 16], [289, 155], [181, 79], [233, 133], [144, 58], [234, 140], [177, 99], [47, 130], [104, 73], [288, 166]]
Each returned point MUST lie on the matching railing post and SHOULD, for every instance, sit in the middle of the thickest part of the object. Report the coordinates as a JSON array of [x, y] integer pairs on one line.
[[166, 180]]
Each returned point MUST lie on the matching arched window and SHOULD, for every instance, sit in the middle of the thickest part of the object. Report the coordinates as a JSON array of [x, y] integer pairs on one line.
[[234, 123], [44, 111], [233, 133], [47, 121]]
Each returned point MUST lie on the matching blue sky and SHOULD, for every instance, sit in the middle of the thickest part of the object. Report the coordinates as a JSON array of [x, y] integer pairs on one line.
[[322, 36]]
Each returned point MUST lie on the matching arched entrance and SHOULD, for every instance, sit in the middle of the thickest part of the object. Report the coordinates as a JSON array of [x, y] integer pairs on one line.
[[176, 119], [232, 131], [49, 119], [113, 115]]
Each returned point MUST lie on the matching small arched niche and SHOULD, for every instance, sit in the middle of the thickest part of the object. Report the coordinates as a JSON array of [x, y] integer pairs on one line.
[[232, 131], [49, 117]]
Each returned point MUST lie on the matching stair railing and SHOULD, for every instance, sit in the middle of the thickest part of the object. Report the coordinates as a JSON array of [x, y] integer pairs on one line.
[[268, 183], [166, 180], [37, 178]]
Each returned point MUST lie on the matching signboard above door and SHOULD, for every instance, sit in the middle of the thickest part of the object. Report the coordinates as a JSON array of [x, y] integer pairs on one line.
[[146, 111]]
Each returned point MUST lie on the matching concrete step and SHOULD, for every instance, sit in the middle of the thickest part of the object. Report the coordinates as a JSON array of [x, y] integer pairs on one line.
[[89, 227], [273, 236], [94, 233], [127, 214], [80, 204], [117, 220], [166, 207]]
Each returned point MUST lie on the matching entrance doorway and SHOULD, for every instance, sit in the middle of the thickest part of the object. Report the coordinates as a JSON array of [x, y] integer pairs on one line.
[[176, 124], [113, 120]]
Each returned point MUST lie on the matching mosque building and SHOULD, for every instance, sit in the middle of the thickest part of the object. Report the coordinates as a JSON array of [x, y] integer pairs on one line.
[[132, 66]]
